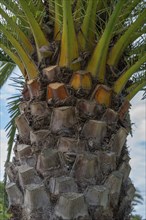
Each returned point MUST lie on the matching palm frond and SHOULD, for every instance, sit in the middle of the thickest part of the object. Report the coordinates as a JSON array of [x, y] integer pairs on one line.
[[138, 46], [8, 21], [86, 36], [14, 56], [30, 66], [138, 199], [37, 9], [97, 64], [144, 94], [139, 84], [38, 34], [123, 79], [79, 10], [69, 46], [6, 68], [5, 58], [13, 110], [58, 19], [18, 15]]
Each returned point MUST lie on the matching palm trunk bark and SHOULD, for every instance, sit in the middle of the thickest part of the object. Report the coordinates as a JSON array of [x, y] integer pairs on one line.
[[71, 161]]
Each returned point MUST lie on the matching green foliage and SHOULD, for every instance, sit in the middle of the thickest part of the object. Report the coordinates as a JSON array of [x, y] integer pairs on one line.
[[5, 58], [6, 69], [138, 199], [10, 21], [69, 46], [136, 217], [97, 63], [3, 212], [13, 110], [1, 191]]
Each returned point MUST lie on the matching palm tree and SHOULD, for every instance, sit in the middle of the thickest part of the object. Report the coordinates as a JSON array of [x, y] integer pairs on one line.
[[82, 61]]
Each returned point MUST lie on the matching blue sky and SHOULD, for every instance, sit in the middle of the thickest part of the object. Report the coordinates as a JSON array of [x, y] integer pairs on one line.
[[137, 143]]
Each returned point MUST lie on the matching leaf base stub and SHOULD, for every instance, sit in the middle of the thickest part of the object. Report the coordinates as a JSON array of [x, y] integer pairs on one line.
[[102, 94], [57, 92], [81, 80]]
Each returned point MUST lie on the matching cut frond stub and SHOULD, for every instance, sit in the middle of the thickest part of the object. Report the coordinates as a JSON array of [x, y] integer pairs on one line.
[[56, 91], [81, 80], [34, 88], [102, 94]]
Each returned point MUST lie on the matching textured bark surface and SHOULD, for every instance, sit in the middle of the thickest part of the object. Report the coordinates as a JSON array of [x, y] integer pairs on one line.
[[71, 160]]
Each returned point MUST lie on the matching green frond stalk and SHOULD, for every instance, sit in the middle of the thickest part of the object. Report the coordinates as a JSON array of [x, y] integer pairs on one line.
[[37, 9], [58, 20], [16, 30], [38, 34], [86, 36], [123, 79], [135, 89], [69, 46], [15, 58], [30, 66], [125, 40], [97, 63]]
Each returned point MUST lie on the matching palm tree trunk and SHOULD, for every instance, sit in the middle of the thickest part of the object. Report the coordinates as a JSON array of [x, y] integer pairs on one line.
[[71, 161]]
